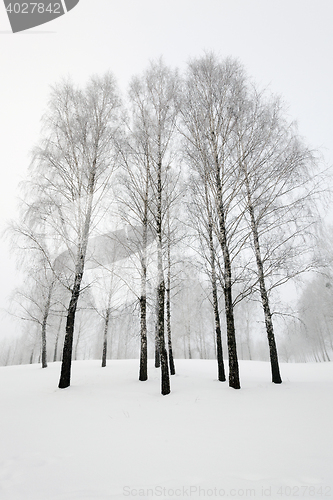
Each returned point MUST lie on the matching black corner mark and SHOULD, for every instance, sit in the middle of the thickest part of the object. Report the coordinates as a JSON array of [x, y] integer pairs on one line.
[[25, 14], [70, 4]]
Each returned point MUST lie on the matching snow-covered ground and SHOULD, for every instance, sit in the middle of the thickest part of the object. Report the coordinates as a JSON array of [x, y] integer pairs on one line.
[[109, 436]]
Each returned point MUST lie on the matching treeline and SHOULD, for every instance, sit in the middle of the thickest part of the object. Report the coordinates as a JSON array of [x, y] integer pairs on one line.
[[191, 197]]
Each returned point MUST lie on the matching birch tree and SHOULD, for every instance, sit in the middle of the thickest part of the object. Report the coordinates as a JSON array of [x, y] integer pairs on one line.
[[154, 96], [168, 294], [213, 93], [202, 220], [34, 299], [71, 173], [33, 303], [276, 194], [136, 197]]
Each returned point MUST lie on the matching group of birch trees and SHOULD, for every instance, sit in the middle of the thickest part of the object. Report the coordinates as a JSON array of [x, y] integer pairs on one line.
[[203, 161]]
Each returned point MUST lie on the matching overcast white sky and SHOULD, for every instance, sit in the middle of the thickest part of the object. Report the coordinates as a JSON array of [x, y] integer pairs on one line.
[[286, 44]]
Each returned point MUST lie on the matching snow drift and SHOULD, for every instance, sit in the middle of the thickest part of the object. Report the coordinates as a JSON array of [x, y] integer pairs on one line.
[[111, 437]]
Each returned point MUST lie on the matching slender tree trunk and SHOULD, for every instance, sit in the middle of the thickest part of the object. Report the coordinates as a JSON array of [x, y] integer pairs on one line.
[[276, 377], [168, 322], [106, 326], [143, 373], [168, 307], [157, 340], [315, 355], [55, 353], [234, 381], [328, 332], [105, 336], [248, 338], [44, 347], [44, 325], [219, 350], [165, 379], [65, 376], [232, 347], [218, 337], [325, 355], [77, 342], [189, 345]]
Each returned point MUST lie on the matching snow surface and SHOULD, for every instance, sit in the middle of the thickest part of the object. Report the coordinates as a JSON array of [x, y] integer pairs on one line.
[[109, 436]]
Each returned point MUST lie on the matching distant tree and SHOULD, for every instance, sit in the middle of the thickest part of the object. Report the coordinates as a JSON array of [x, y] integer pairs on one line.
[[34, 299], [315, 325], [105, 333], [33, 304], [107, 298]]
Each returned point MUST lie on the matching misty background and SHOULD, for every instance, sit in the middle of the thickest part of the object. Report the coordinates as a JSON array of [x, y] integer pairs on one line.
[[285, 45]]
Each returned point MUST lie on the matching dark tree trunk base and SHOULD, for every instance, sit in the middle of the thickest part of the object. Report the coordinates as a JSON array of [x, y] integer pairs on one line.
[[276, 377], [220, 362], [221, 374], [157, 359], [143, 373], [165, 381], [65, 377], [171, 363], [234, 384], [63, 385], [104, 355]]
